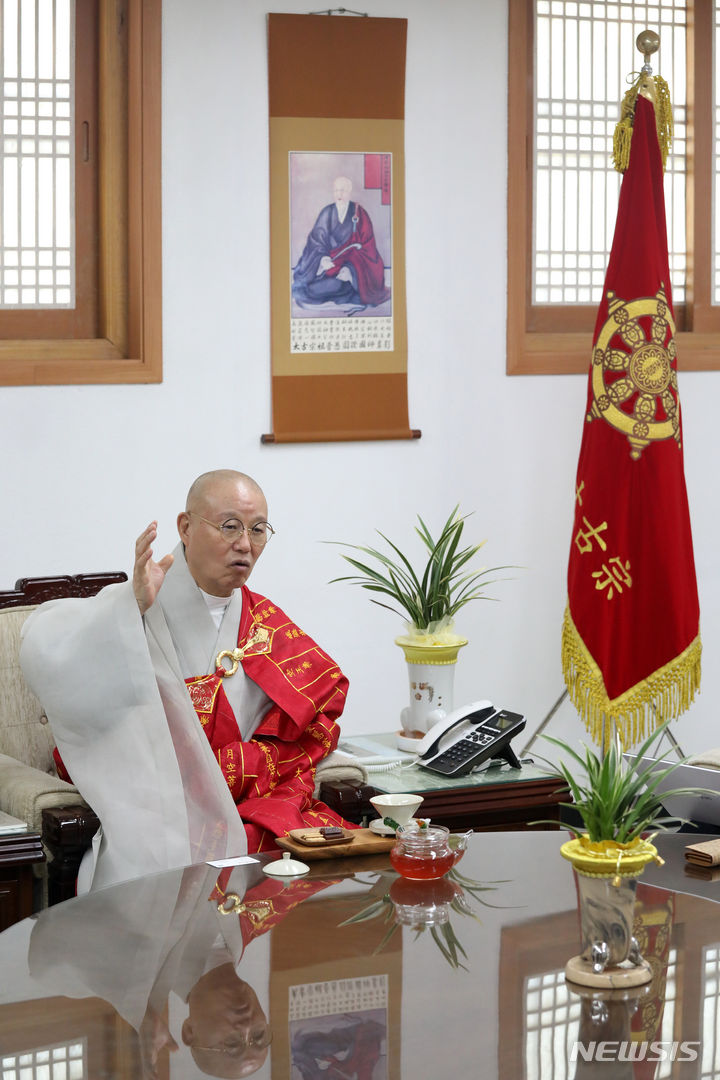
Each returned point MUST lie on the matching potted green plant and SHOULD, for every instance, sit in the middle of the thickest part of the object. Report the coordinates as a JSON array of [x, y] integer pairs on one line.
[[621, 809], [428, 600]]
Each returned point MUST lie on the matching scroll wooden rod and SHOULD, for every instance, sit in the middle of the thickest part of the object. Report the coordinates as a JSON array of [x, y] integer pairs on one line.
[[340, 436]]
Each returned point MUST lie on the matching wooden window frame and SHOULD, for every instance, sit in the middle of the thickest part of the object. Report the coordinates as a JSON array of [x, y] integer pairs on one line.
[[81, 320], [128, 348], [557, 339]]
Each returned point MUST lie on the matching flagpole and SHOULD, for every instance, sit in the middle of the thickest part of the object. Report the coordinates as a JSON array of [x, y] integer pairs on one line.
[[544, 723], [648, 42], [675, 745], [617, 668], [631, 646]]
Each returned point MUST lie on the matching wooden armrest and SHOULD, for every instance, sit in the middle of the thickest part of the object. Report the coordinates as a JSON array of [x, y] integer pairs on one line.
[[66, 833]]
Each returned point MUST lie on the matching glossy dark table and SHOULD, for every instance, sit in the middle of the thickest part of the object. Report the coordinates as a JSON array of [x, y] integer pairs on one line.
[[105, 985]]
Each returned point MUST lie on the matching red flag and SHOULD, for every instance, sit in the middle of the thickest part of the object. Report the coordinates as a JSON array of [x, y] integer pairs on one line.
[[631, 642]]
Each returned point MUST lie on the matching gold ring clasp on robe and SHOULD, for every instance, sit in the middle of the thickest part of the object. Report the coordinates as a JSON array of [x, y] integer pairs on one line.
[[235, 657], [259, 636], [257, 911], [233, 900]]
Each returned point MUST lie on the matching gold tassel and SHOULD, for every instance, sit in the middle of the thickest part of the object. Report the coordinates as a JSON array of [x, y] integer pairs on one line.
[[664, 695], [621, 144], [622, 138], [663, 117]]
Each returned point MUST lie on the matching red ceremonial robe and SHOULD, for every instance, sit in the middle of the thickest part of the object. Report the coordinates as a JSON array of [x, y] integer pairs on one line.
[[266, 904], [361, 253], [271, 777]]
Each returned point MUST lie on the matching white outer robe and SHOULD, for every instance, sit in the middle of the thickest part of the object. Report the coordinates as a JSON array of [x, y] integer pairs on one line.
[[112, 684]]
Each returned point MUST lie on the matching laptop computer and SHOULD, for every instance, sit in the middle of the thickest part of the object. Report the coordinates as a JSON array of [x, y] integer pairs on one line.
[[695, 807]]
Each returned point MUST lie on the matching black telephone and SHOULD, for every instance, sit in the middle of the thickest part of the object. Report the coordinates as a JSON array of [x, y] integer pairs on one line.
[[468, 737]]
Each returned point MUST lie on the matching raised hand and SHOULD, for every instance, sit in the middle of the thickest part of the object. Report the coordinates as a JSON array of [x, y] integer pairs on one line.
[[148, 575], [155, 1036]]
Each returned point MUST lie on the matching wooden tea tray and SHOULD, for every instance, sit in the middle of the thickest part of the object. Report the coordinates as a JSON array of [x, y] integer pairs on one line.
[[364, 842]]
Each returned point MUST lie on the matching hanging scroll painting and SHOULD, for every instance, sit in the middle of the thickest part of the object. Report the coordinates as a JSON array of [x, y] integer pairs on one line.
[[338, 314], [341, 256]]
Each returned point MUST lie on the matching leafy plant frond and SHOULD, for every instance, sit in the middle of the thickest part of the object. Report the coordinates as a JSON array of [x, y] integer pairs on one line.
[[369, 912], [387, 607], [382, 908], [615, 801], [389, 933], [437, 592]]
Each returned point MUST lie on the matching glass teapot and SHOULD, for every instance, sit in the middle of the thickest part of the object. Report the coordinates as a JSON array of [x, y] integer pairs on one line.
[[423, 903], [423, 851]]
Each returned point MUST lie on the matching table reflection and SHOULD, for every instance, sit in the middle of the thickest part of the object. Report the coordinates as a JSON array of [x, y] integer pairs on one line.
[[130, 949], [355, 973], [578, 1032]]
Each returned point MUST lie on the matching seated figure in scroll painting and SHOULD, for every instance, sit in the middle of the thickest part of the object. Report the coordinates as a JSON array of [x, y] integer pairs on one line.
[[183, 705], [349, 1051], [340, 262]]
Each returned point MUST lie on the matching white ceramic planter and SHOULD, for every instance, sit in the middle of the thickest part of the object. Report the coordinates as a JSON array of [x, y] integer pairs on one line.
[[431, 674]]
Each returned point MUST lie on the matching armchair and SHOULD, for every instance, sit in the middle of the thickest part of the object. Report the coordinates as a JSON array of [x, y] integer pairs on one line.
[[30, 788]]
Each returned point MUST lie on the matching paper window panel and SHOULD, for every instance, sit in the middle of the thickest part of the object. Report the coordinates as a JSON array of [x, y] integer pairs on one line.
[[665, 1069], [552, 1026], [710, 1039], [584, 53], [62, 1061], [553, 1022], [37, 235]]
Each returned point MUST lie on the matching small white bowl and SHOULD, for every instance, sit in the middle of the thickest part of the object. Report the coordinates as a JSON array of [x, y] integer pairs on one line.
[[400, 808]]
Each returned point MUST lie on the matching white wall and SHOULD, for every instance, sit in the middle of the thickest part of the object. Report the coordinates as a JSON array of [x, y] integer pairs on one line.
[[87, 467]]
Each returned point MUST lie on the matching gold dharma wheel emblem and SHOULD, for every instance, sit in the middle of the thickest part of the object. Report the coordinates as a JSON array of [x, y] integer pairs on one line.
[[640, 375]]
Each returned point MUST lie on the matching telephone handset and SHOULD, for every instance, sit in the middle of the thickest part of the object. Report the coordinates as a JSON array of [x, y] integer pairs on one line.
[[468, 736]]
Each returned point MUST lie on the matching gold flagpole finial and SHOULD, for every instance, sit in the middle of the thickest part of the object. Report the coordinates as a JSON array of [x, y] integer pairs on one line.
[[648, 42], [655, 89]]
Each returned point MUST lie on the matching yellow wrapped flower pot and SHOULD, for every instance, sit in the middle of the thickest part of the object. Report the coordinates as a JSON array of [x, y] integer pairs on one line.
[[618, 806], [607, 874]]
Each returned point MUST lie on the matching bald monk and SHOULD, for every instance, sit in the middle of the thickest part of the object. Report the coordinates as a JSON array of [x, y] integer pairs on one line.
[[126, 676]]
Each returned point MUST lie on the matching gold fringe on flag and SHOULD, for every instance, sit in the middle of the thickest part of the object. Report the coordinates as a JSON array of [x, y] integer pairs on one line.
[[656, 90], [664, 695]]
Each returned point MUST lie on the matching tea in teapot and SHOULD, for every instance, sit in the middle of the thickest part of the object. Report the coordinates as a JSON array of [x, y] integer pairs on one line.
[[423, 851]]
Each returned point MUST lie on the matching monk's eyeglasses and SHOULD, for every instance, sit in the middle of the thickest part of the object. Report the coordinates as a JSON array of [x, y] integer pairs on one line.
[[237, 1045], [232, 529]]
